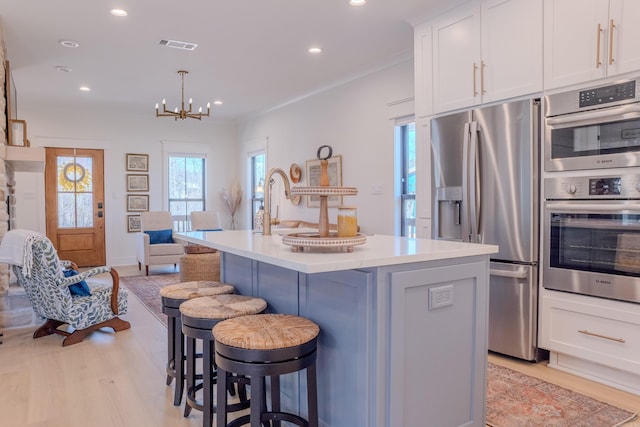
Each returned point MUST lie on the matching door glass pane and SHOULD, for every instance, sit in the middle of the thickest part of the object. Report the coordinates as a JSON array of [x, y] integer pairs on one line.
[[75, 191], [84, 210], [66, 210]]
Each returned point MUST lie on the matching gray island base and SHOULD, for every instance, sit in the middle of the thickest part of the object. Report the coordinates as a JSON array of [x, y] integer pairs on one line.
[[403, 322]]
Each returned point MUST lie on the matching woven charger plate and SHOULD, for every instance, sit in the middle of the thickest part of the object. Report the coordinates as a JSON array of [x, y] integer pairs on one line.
[[266, 331]]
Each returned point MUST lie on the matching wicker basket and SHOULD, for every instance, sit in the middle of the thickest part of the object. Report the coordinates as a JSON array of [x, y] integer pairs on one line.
[[203, 266]]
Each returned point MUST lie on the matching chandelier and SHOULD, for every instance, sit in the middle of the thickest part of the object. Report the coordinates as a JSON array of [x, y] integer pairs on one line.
[[182, 114]]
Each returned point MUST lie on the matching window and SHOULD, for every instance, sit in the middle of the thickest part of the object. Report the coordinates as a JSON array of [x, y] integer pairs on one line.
[[186, 188], [258, 173], [407, 135]]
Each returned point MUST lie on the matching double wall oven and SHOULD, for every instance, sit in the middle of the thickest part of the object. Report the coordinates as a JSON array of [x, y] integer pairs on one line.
[[591, 216]]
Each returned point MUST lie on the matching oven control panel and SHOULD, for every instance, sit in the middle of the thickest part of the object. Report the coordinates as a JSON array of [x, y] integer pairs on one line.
[[607, 94], [585, 187]]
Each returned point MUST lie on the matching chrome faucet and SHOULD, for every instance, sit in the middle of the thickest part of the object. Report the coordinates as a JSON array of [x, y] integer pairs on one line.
[[267, 197]]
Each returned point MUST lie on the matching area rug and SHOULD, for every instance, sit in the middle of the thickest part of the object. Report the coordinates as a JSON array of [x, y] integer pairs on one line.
[[518, 400], [513, 399], [147, 290]]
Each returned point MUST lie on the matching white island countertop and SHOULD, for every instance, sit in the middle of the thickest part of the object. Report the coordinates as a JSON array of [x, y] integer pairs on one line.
[[379, 250]]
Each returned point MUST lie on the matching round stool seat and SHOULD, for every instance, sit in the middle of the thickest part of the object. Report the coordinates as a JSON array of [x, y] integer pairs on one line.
[[194, 289], [266, 331], [222, 307], [172, 297]]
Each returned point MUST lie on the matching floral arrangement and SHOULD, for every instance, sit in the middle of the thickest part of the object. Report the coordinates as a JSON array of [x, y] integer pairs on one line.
[[232, 199]]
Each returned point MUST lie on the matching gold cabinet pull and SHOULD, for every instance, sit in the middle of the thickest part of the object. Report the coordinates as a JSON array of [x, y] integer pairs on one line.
[[598, 62], [593, 334], [482, 65], [611, 27], [475, 89]]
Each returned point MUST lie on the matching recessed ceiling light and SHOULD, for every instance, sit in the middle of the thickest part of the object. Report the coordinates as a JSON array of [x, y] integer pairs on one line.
[[69, 43], [315, 50], [119, 12], [357, 2], [217, 102], [85, 88], [63, 69]]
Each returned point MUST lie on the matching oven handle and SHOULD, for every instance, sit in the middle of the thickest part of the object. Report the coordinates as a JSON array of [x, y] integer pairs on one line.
[[592, 207], [624, 112]]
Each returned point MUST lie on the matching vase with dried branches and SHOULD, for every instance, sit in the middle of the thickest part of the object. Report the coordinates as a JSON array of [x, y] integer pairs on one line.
[[232, 199]]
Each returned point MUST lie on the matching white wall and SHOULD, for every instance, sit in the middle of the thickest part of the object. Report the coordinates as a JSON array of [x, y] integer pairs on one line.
[[117, 134], [354, 119]]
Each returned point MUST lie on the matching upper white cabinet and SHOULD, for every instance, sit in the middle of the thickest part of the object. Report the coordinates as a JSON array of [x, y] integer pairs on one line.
[[423, 71], [590, 39], [487, 51]]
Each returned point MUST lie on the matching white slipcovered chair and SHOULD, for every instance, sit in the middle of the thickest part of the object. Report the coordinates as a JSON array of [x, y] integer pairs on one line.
[[154, 243], [205, 220]]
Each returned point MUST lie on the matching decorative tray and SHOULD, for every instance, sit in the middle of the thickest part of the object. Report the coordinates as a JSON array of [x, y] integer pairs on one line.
[[298, 241]]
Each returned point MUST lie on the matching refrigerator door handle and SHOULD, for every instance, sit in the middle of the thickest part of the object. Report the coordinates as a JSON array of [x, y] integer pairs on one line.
[[474, 183], [466, 218], [518, 274]]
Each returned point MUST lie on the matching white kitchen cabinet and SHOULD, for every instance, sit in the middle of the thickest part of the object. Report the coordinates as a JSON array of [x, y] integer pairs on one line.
[[589, 39], [487, 51], [423, 72], [593, 337], [456, 59]]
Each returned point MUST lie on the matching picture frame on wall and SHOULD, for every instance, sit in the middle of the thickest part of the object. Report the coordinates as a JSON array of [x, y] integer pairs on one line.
[[138, 162], [137, 182], [18, 133], [133, 223], [334, 171], [137, 202]]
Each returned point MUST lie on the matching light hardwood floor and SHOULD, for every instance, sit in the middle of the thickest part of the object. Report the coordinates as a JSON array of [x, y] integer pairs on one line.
[[114, 380]]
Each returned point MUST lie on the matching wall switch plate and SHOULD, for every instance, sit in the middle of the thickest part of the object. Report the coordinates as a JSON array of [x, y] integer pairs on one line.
[[377, 189], [439, 297]]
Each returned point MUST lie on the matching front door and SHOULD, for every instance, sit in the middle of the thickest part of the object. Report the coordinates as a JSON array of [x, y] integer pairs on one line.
[[74, 195]]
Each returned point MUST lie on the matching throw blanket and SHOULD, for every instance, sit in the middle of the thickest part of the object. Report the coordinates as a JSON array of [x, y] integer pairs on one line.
[[15, 249]]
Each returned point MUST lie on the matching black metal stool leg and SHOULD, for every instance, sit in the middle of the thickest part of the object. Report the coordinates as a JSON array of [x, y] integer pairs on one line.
[[191, 372], [275, 397], [178, 361], [312, 395], [207, 383], [221, 398], [171, 348]]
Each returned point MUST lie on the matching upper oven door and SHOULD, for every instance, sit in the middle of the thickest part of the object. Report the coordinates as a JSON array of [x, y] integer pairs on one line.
[[602, 138]]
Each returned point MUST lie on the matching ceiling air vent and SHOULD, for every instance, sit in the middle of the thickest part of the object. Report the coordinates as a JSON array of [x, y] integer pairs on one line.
[[179, 45]]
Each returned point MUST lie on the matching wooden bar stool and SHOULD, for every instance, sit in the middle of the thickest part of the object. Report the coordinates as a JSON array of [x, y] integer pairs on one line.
[[266, 345], [199, 316], [172, 297]]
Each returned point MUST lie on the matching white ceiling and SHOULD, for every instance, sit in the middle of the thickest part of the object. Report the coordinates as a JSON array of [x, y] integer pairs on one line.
[[252, 54]]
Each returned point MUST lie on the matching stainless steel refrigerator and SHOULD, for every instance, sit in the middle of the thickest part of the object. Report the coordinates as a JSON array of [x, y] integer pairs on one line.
[[485, 190]]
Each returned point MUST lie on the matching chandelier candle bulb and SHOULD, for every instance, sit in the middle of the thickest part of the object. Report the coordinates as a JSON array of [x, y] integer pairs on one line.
[[347, 221]]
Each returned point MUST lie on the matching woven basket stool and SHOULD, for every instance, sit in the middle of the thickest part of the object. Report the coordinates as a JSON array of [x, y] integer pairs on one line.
[[204, 266], [266, 345], [172, 297], [199, 316]]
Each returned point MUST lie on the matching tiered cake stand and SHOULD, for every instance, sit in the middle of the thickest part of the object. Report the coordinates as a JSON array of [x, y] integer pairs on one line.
[[324, 238]]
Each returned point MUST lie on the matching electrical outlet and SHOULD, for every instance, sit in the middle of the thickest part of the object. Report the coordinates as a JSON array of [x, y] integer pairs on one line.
[[439, 297]]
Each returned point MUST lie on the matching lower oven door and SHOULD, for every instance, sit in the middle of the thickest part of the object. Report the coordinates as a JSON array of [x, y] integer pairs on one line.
[[593, 248]]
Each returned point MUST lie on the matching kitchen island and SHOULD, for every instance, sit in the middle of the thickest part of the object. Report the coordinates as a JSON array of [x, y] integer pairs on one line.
[[403, 323]]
